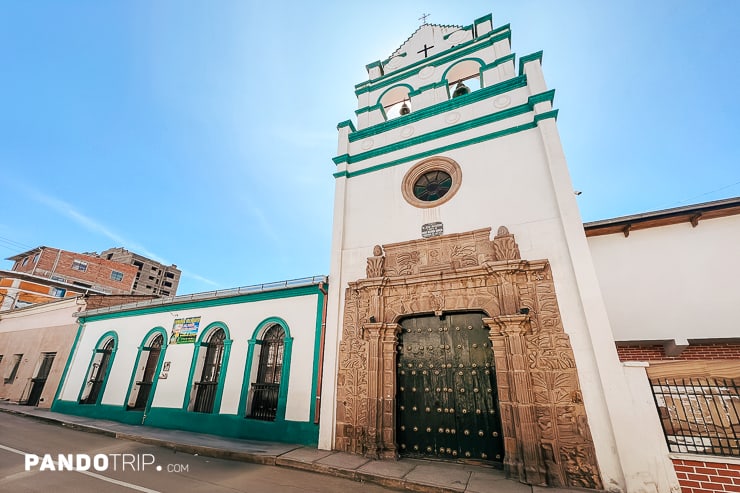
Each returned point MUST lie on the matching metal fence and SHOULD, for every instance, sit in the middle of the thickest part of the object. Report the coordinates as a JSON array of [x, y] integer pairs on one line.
[[264, 401], [205, 396], [699, 415]]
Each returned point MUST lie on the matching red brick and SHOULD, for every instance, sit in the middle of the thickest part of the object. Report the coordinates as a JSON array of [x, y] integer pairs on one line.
[[732, 487], [706, 470], [722, 479], [683, 468], [690, 484], [698, 477]]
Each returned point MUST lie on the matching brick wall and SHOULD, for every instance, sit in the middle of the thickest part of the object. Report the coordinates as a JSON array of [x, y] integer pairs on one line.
[[706, 477], [693, 352], [100, 301], [57, 262]]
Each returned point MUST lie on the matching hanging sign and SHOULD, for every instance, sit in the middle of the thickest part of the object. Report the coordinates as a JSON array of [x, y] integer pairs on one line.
[[185, 330]]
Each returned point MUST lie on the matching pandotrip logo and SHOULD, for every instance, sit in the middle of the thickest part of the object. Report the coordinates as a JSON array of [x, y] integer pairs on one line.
[[99, 462]]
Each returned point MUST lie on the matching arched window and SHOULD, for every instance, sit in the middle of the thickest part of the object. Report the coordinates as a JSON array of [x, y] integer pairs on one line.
[[145, 373], [266, 389], [206, 388], [95, 381]]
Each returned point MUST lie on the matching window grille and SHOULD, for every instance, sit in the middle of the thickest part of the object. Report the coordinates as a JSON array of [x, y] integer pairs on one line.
[[699, 415]]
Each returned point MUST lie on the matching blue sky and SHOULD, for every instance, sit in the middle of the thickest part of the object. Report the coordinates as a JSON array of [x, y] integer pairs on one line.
[[201, 133]]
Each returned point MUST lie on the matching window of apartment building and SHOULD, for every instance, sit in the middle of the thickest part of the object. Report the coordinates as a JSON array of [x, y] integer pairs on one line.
[[57, 292], [25, 261], [167, 283], [171, 275], [36, 258], [57, 278], [79, 265], [116, 276], [13, 368]]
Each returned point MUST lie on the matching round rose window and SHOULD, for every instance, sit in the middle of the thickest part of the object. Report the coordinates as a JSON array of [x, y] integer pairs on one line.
[[431, 182]]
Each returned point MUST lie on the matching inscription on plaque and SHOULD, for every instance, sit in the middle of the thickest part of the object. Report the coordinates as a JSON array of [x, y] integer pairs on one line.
[[432, 229]]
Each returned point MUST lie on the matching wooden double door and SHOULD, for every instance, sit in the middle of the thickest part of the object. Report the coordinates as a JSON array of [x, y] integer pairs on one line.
[[446, 401]]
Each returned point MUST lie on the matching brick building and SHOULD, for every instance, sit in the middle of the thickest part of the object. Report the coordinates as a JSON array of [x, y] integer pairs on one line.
[[152, 277], [44, 274]]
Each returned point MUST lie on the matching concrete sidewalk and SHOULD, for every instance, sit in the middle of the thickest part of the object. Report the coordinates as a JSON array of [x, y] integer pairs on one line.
[[404, 474]]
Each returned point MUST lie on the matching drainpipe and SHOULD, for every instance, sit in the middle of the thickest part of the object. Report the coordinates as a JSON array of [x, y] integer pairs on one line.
[[317, 404]]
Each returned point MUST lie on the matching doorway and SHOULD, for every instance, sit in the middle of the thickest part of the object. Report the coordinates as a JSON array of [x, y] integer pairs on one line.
[[446, 401]]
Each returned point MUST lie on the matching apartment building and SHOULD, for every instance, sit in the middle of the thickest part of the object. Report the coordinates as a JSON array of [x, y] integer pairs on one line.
[[152, 277]]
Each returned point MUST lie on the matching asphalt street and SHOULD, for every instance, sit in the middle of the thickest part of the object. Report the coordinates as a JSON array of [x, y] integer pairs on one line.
[[36, 456]]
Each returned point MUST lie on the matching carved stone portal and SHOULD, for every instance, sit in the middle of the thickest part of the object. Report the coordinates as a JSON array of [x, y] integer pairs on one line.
[[547, 439]]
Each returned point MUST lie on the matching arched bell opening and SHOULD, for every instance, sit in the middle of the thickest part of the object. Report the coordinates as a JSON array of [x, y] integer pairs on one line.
[[396, 102]]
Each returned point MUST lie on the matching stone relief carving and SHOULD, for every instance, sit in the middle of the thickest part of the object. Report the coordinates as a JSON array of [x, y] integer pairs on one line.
[[375, 263], [546, 432]]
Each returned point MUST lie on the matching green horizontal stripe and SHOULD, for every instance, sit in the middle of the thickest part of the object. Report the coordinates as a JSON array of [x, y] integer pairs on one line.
[[449, 105], [456, 145], [448, 55]]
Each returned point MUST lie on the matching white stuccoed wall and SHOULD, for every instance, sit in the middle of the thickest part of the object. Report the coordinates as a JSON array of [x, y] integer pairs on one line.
[[671, 282], [241, 319]]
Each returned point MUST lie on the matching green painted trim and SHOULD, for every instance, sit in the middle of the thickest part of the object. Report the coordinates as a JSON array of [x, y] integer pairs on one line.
[[100, 411], [441, 58], [284, 371], [464, 28], [546, 115], [367, 109], [316, 352], [480, 62], [443, 107], [233, 300], [142, 347], [231, 425], [447, 131], [481, 20], [226, 425], [109, 334], [438, 150], [529, 58], [427, 87], [547, 96], [372, 64], [347, 123], [344, 158], [243, 396], [378, 103], [70, 357], [508, 58], [197, 346]]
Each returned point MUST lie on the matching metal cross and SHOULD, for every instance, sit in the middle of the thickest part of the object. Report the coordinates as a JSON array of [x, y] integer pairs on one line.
[[425, 50], [423, 18]]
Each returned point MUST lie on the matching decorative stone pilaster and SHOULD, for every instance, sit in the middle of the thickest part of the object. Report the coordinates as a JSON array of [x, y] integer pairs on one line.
[[523, 459], [381, 390]]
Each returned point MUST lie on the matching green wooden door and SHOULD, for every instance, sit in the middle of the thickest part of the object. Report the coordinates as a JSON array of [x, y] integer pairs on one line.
[[446, 404]]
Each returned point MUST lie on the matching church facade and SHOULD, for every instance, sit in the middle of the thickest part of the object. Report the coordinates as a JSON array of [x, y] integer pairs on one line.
[[465, 311]]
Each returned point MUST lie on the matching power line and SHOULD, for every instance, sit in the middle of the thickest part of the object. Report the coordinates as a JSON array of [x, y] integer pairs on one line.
[[703, 194]]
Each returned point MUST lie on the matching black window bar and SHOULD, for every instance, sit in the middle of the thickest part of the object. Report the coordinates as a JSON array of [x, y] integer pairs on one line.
[[266, 389], [699, 415], [205, 390]]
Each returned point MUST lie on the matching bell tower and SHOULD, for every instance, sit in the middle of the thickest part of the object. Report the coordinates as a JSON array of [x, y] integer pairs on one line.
[[453, 196]]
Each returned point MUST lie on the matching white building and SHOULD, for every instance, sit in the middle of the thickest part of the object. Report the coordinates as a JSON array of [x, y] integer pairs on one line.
[[242, 362]]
